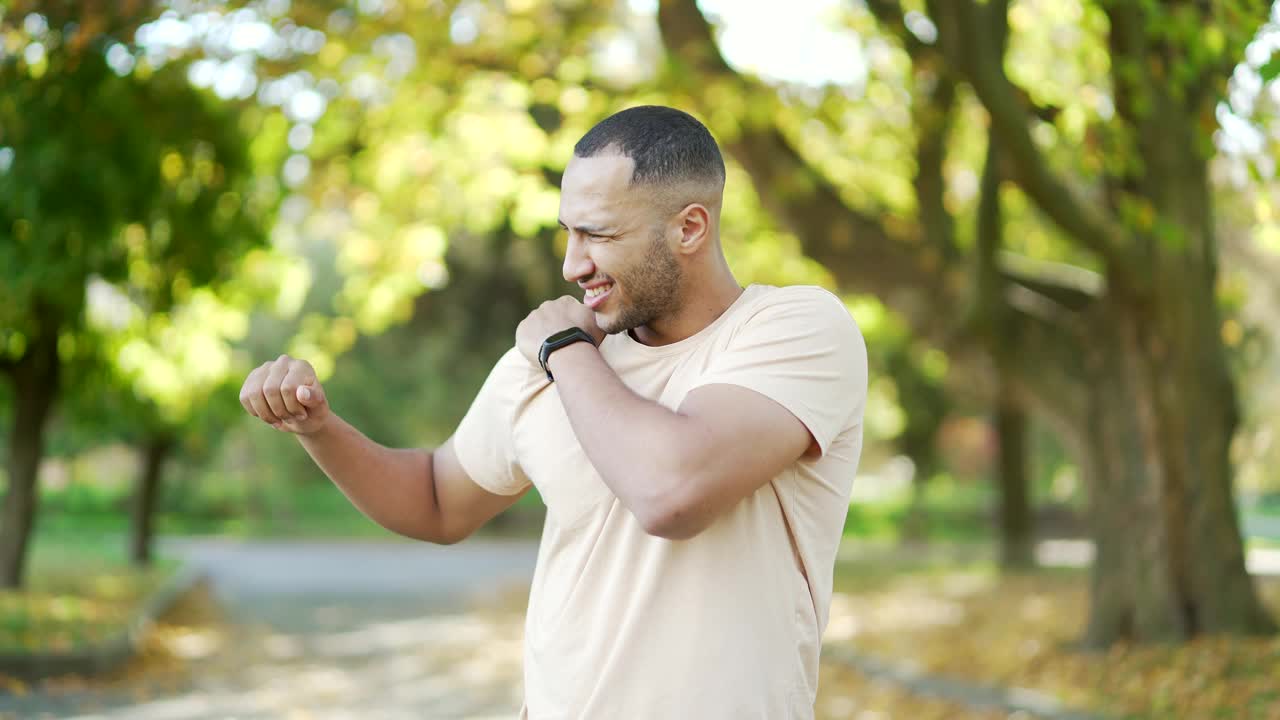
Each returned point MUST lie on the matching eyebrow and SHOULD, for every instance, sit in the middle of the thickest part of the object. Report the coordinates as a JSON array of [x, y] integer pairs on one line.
[[586, 229]]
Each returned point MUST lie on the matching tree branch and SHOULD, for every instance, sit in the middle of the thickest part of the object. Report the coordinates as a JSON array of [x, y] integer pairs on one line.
[[1046, 362], [1025, 314], [932, 114], [888, 13], [933, 118], [969, 41], [1071, 287], [906, 274], [1030, 321], [989, 236], [909, 276]]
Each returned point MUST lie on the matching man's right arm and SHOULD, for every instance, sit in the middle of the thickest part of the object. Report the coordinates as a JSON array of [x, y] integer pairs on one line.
[[417, 493]]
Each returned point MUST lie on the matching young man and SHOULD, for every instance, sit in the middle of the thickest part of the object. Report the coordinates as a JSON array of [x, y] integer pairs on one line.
[[694, 442]]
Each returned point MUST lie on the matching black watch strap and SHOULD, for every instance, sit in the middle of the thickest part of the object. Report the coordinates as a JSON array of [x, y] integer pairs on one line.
[[559, 340]]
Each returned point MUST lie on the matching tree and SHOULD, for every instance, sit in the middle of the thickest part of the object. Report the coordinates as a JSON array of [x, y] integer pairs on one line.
[[453, 139], [116, 168], [166, 384], [1122, 350]]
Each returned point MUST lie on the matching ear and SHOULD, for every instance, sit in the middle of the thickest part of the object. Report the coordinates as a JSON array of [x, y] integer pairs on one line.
[[695, 228]]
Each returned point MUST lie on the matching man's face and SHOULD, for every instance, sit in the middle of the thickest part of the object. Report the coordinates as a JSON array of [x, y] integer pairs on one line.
[[618, 249]]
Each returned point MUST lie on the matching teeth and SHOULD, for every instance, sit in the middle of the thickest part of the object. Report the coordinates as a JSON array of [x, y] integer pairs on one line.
[[598, 291]]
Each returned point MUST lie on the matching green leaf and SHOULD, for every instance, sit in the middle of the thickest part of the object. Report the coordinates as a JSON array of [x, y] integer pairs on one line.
[[1270, 69]]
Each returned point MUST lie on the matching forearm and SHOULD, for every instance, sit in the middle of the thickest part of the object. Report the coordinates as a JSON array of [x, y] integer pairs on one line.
[[393, 487], [637, 445]]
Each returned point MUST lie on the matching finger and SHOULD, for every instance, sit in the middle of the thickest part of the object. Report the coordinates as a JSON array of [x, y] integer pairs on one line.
[[257, 403], [298, 375], [261, 409], [271, 387], [311, 395], [259, 399], [248, 390]]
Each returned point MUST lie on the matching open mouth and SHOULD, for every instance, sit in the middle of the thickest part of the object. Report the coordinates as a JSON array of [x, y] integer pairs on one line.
[[595, 296]]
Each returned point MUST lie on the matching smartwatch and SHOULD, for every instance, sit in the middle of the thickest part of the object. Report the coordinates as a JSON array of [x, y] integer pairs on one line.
[[559, 340]]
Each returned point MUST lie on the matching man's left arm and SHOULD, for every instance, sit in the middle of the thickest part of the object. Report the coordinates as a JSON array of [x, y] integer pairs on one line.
[[675, 470], [781, 393]]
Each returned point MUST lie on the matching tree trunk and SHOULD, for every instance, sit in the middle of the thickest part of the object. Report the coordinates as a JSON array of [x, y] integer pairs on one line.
[[1131, 366], [1017, 551], [918, 442], [145, 498], [925, 404], [35, 386], [1161, 412], [915, 525]]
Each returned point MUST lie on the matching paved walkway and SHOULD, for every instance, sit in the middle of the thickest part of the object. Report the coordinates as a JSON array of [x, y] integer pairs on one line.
[[1079, 553], [334, 631], [370, 631]]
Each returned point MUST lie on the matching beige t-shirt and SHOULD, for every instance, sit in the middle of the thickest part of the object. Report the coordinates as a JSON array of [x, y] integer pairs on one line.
[[622, 624]]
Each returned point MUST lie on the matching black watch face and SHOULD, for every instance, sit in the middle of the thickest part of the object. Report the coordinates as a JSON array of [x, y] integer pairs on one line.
[[562, 335]]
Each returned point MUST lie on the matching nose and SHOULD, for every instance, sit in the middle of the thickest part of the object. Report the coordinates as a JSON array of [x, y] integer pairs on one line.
[[577, 264]]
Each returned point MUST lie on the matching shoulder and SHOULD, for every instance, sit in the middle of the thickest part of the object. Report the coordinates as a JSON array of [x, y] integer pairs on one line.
[[512, 361], [512, 372], [807, 306]]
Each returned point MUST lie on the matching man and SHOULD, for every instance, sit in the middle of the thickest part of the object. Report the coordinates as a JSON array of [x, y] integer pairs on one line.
[[694, 443]]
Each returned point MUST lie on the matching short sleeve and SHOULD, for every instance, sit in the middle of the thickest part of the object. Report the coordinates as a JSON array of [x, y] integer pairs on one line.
[[483, 441], [800, 348]]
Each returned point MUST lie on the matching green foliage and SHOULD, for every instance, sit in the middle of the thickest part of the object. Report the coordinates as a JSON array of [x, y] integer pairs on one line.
[[135, 178], [424, 225], [122, 179], [117, 175], [1270, 69], [131, 194]]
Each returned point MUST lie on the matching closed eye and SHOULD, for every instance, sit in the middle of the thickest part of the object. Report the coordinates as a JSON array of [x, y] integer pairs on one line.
[[592, 233]]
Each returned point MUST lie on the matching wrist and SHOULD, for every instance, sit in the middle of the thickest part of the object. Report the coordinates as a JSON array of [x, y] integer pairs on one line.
[[566, 356], [322, 430], [558, 342]]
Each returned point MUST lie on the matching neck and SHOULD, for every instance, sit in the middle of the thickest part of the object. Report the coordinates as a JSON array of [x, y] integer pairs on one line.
[[702, 302]]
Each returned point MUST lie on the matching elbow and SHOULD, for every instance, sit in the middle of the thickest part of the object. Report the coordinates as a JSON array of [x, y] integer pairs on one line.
[[673, 519], [449, 535], [673, 510], [441, 538], [671, 528], [436, 533], [435, 538], [415, 533]]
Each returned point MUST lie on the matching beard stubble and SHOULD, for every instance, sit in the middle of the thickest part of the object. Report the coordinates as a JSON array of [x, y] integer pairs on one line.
[[653, 288]]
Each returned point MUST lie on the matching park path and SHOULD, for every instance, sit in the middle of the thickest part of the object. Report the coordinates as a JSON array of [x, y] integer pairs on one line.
[[375, 630], [332, 631]]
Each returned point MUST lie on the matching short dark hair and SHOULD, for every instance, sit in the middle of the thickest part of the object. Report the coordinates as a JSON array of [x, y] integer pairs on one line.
[[667, 145]]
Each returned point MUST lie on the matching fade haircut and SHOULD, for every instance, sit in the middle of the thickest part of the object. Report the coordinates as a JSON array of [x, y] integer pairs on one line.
[[669, 147]]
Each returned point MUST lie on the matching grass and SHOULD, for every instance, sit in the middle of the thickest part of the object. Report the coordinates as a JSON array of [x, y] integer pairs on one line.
[[949, 511], [948, 611], [79, 592], [303, 510]]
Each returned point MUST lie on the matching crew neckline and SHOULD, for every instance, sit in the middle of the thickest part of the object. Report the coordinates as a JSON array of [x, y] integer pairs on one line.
[[695, 339]]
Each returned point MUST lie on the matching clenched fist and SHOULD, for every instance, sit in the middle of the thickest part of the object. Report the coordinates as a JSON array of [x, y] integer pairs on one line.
[[285, 394], [550, 318]]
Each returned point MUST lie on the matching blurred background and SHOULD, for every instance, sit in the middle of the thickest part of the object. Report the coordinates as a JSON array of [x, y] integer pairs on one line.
[[1055, 221]]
